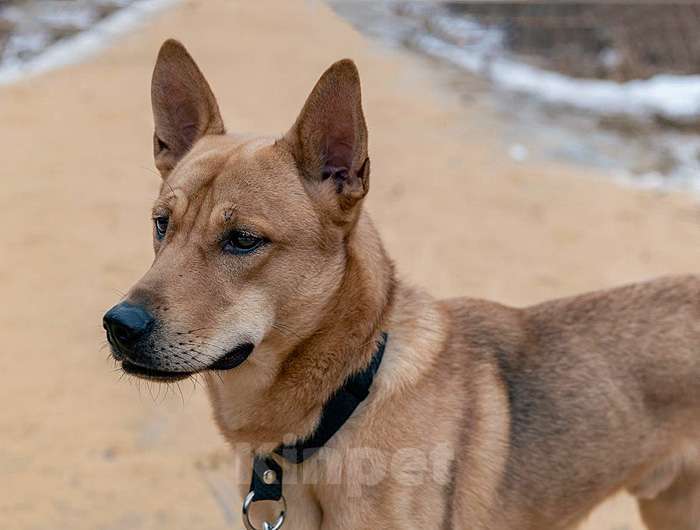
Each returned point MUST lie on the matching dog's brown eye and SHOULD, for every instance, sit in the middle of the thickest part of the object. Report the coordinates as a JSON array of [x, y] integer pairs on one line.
[[239, 242], [161, 224]]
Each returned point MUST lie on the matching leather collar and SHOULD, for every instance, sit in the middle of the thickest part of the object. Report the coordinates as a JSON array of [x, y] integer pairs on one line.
[[266, 483]]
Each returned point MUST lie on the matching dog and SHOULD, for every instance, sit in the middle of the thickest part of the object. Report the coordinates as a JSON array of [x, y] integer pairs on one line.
[[271, 283]]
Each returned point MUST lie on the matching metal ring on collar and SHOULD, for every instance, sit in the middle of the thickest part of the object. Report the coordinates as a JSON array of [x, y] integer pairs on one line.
[[266, 526]]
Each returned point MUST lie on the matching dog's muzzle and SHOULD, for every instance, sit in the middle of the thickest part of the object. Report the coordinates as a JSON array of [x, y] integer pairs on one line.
[[129, 328]]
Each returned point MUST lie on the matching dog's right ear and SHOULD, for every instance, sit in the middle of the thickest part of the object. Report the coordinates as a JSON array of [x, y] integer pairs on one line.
[[184, 107]]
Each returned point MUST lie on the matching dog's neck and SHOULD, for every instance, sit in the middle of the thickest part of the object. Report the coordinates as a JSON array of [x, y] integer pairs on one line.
[[343, 344], [348, 333]]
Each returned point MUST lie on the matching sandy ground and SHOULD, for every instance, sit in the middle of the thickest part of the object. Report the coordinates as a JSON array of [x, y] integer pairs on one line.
[[82, 449]]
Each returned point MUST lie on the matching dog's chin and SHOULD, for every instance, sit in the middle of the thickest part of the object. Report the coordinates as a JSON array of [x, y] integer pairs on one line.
[[229, 361], [153, 374]]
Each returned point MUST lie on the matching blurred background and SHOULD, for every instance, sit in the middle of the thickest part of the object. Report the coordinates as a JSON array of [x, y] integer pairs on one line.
[[605, 84], [520, 151]]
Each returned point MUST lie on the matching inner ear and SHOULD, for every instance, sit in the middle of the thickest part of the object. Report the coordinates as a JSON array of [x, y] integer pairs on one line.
[[329, 138], [184, 107]]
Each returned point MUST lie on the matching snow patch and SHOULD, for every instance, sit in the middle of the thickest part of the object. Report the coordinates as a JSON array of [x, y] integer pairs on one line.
[[83, 44], [480, 51]]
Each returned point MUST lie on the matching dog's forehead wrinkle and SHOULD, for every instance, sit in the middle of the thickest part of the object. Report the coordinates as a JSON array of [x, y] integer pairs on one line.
[[202, 206], [196, 176], [202, 165]]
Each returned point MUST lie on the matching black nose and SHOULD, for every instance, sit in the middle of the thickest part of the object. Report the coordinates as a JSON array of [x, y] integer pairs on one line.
[[126, 324]]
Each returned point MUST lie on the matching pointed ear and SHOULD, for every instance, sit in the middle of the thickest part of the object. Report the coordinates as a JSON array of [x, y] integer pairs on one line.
[[329, 138], [184, 107]]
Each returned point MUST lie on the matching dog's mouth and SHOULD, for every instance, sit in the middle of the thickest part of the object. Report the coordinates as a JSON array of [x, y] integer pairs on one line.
[[231, 360], [153, 374]]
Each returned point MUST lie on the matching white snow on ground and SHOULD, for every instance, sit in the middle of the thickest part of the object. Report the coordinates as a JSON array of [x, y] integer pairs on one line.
[[469, 45], [672, 96], [85, 43]]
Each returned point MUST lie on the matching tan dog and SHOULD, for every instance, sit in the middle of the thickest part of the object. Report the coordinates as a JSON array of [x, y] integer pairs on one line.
[[270, 280]]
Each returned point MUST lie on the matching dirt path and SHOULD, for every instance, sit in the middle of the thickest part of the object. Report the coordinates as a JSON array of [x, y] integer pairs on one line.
[[83, 450]]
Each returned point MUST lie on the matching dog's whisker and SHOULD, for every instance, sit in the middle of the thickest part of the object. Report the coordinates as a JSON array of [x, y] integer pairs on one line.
[[150, 390], [220, 348], [179, 389], [150, 170]]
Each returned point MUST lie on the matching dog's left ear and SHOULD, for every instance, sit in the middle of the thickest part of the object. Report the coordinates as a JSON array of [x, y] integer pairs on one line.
[[329, 138]]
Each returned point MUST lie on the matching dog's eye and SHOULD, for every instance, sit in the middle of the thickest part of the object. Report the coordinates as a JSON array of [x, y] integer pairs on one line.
[[240, 242], [161, 224]]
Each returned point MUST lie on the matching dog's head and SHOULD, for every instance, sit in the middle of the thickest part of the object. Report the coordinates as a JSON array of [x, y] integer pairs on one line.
[[249, 234]]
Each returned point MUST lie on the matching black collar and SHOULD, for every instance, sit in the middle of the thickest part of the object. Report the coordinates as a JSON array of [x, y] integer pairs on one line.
[[266, 483]]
